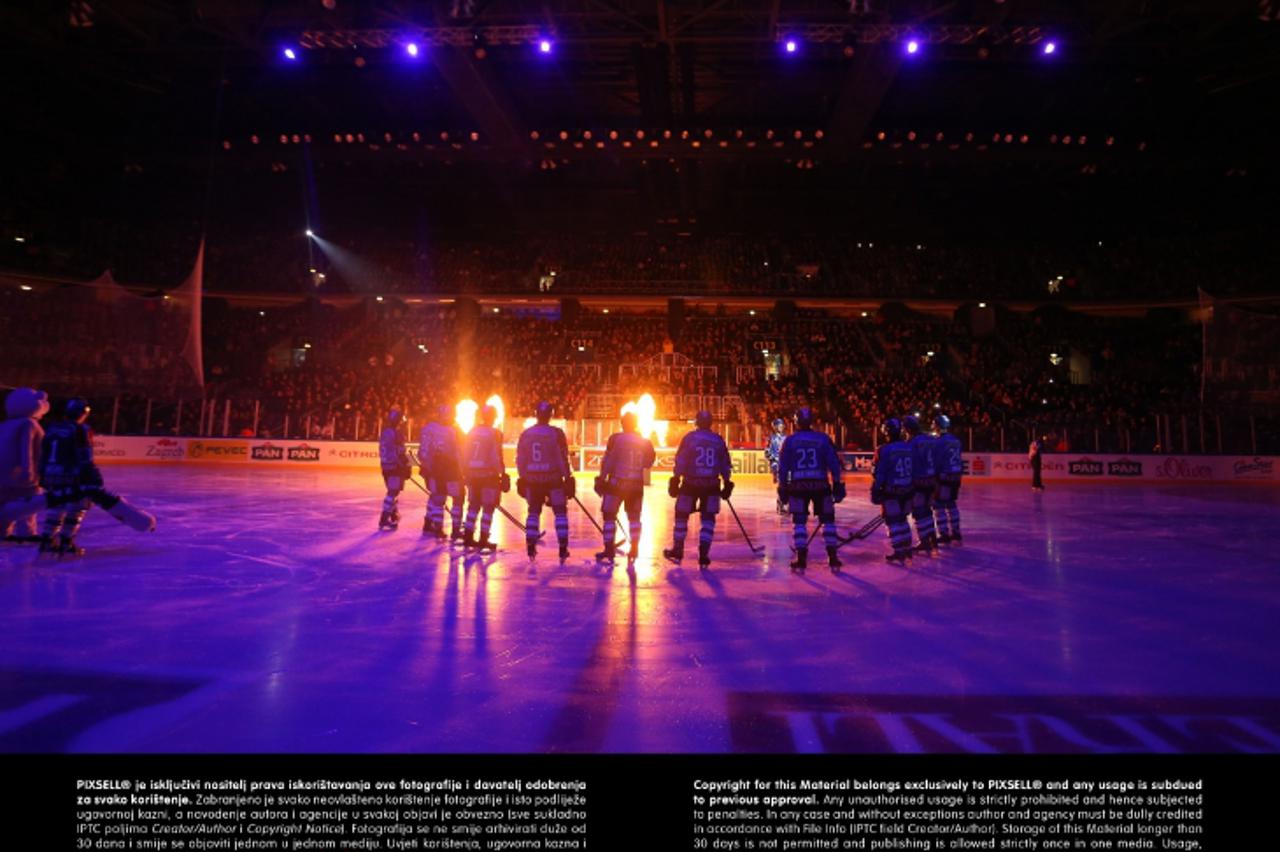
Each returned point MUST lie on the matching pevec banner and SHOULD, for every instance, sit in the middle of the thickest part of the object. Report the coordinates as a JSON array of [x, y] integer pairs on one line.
[[995, 467]]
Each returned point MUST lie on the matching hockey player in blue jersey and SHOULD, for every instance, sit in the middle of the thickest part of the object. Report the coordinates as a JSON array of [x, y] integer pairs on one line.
[[809, 473], [948, 463], [394, 459], [892, 485], [486, 475], [73, 484], [772, 451], [925, 481], [702, 477], [439, 456], [545, 477], [621, 484]]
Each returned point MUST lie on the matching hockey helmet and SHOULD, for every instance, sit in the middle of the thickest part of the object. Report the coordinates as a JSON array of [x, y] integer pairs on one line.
[[942, 422], [394, 416], [488, 415], [630, 421], [703, 419], [77, 408], [543, 411], [444, 413], [911, 424], [804, 417], [892, 429], [779, 425]]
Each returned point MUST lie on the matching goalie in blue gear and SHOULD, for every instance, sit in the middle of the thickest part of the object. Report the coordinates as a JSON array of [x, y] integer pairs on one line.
[[892, 485], [925, 481], [621, 484], [439, 454], [948, 464], [702, 477], [772, 452], [545, 478], [73, 484], [809, 474], [394, 459], [486, 473]]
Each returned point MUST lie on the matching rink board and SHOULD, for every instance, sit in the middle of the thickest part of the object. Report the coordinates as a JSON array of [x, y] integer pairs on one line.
[[996, 467]]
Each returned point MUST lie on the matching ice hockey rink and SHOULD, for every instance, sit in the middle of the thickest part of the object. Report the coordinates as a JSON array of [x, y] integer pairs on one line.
[[267, 614]]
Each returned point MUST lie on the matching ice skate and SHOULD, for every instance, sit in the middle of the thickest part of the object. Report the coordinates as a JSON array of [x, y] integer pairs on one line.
[[564, 552], [673, 554], [833, 561], [899, 557], [801, 561], [704, 557], [928, 546]]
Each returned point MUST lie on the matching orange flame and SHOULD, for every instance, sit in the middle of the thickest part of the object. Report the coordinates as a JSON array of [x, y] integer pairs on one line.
[[646, 410]]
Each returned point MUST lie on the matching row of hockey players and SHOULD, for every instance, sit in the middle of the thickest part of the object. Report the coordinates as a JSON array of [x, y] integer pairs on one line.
[[919, 477], [914, 474], [53, 471]]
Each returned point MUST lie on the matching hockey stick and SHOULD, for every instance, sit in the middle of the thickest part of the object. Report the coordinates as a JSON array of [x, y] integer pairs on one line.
[[857, 535], [862, 532], [595, 523], [755, 548], [506, 514], [512, 518]]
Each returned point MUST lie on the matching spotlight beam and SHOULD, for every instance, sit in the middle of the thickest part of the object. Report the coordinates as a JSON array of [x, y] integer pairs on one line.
[[483, 96], [866, 82]]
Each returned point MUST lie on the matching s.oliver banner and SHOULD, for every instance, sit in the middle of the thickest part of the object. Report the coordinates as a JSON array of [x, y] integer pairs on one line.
[[1063, 467]]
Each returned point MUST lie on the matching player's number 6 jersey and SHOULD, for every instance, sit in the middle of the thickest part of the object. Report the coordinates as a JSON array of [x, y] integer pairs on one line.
[[540, 455]]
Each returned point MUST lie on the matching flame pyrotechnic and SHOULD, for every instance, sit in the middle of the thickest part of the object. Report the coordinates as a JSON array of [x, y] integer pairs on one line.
[[466, 412], [646, 410], [496, 402]]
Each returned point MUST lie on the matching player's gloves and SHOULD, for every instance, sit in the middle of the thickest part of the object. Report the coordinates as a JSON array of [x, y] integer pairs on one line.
[[599, 486], [570, 487], [877, 496], [838, 492], [506, 483], [726, 490], [673, 486], [520, 488]]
